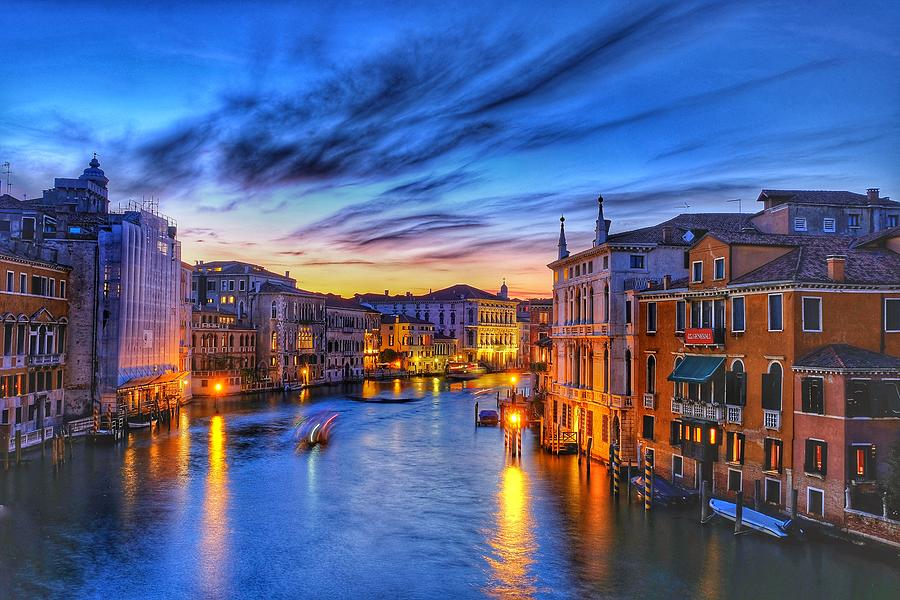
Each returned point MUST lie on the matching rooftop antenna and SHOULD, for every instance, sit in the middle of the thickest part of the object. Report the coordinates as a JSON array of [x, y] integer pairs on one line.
[[738, 200], [683, 205], [7, 171]]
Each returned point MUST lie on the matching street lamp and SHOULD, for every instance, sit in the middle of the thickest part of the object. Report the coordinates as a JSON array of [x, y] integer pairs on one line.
[[218, 389]]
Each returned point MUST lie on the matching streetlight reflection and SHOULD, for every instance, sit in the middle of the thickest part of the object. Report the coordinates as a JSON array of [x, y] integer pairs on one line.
[[214, 530], [513, 545]]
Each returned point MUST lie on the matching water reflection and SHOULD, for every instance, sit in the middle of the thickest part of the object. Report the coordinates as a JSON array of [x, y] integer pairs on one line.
[[214, 528], [513, 545]]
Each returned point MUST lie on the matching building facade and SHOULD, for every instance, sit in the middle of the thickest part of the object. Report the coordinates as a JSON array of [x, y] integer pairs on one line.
[[483, 324], [34, 310], [349, 340], [231, 285], [412, 340], [223, 353]]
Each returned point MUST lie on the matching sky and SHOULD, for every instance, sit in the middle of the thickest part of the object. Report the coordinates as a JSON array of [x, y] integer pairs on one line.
[[409, 146]]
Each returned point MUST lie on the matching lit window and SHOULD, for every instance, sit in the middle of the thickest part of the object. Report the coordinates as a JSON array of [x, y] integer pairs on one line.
[[773, 459], [863, 461], [816, 457]]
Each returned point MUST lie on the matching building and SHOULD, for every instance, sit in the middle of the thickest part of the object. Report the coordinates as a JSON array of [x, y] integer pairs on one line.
[[412, 340], [224, 353], [592, 387], [483, 324], [372, 341], [772, 368], [124, 294], [445, 351], [290, 328], [34, 309], [349, 339], [185, 319], [537, 314], [230, 285], [818, 212]]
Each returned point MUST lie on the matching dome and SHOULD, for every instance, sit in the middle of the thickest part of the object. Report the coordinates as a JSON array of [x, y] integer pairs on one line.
[[95, 173], [504, 290]]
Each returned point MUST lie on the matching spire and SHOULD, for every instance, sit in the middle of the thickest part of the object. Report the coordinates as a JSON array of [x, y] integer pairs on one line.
[[600, 229], [563, 251], [504, 290]]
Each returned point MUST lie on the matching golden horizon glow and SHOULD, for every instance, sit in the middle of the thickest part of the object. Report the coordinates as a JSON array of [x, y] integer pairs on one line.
[[513, 544]]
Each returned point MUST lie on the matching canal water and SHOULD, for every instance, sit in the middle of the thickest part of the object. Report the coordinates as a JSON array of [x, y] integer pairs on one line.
[[406, 501]]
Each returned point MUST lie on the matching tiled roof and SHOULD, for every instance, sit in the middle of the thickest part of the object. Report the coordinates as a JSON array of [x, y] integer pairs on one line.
[[824, 197], [236, 267], [389, 319], [876, 237], [335, 301], [269, 287], [698, 223], [458, 292], [807, 263], [844, 356]]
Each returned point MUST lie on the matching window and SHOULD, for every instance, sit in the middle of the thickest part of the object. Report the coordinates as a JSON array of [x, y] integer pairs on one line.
[[828, 225], [852, 220], [775, 315], [735, 480], [231, 285], [10, 279], [651, 317], [27, 228], [892, 314], [274, 310], [736, 385], [697, 271], [62, 288], [734, 447], [812, 395], [606, 262], [737, 313], [242, 285], [23, 283], [651, 374], [815, 502], [799, 224], [771, 387], [680, 314], [647, 432], [812, 314], [773, 457], [637, 261], [816, 460], [891, 221], [862, 462], [677, 466], [773, 491], [675, 433], [719, 268]]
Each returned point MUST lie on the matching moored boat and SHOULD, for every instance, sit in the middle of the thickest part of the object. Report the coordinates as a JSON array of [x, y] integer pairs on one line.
[[141, 424], [488, 418], [665, 493], [779, 528]]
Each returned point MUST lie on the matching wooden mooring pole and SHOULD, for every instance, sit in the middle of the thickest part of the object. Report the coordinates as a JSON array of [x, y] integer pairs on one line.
[[704, 501], [18, 447], [648, 483], [590, 447], [476, 414], [738, 512]]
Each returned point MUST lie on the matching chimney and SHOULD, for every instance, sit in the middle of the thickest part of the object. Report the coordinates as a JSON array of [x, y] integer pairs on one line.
[[387, 292], [409, 294], [667, 234], [836, 265], [667, 281], [872, 194], [287, 274]]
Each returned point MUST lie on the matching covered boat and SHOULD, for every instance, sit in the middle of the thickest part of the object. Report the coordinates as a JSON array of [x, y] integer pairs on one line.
[[779, 528], [488, 418], [664, 492]]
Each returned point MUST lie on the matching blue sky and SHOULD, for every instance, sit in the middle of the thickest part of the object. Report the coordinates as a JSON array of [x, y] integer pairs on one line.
[[414, 145]]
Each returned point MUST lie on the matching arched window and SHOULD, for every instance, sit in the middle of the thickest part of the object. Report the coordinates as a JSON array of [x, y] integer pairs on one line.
[[651, 374], [274, 341], [453, 318], [628, 372], [772, 387], [606, 369], [274, 310], [231, 341], [240, 312]]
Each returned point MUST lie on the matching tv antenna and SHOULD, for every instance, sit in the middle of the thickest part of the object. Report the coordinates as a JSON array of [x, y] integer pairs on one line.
[[738, 200], [7, 171]]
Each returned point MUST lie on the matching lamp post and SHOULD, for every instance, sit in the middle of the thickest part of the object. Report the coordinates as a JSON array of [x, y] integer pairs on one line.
[[218, 388]]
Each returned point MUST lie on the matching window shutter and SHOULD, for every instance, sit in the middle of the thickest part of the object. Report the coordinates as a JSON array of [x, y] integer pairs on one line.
[[768, 395], [805, 395], [808, 462], [780, 447], [824, 470], [731, 393], [741, 444]]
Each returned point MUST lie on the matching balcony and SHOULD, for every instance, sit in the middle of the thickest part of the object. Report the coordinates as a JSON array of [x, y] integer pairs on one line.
[[677, 406], [12, 362], [586, 330], [772, 419], [734, 414], [43, 360], [650, 401], [706, 412], [617, 401]]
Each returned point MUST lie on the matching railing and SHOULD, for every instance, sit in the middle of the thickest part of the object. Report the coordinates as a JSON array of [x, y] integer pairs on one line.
[[650, 401], [31, 438], [617, 401], [772, 419], [10, 362], [80, 426], [734, 414], [45, 359], [708, 412], [586, 329]]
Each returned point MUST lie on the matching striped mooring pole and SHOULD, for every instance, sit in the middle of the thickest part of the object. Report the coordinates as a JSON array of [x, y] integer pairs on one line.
[[648, 483], [614, 457]]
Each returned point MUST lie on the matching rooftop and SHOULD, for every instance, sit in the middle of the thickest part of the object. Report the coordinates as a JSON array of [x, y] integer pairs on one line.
[[838, 197], [845, 356], [335, 301]]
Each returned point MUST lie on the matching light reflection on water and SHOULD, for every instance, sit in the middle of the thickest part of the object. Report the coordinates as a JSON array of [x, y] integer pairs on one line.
[[512, 545], [214, 530]]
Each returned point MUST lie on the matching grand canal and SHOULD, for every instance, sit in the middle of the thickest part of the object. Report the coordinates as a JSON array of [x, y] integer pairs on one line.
[[407, 501]]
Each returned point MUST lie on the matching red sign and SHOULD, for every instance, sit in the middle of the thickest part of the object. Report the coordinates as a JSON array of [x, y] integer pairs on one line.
[[698, 336]]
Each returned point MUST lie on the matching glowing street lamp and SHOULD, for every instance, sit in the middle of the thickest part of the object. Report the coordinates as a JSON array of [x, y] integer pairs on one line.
[[218, 389]]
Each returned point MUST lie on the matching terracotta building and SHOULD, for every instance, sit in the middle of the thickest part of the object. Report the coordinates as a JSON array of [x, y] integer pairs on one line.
[[412, 339], [348, 336], [726, 359], [34, 310]]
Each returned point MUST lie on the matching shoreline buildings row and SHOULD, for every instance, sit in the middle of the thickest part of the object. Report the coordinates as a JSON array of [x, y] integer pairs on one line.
[[100, 315], [760, 353]]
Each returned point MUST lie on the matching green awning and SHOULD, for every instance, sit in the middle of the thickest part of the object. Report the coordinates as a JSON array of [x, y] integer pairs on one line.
[[696, 369]]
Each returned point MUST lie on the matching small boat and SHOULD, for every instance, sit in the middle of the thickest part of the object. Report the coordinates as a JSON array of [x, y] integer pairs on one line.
[[488, 418], [664, 492], [779, 528], [142, 424], [465, 371]]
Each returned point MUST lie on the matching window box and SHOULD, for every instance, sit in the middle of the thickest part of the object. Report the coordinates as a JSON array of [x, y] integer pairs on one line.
[[677, 407]]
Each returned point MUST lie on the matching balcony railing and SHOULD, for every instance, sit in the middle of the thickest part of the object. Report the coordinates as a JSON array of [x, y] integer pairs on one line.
[[677, 407], [707, 412], [650, 401], [45, 359], [772, 419], [734, 414]]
